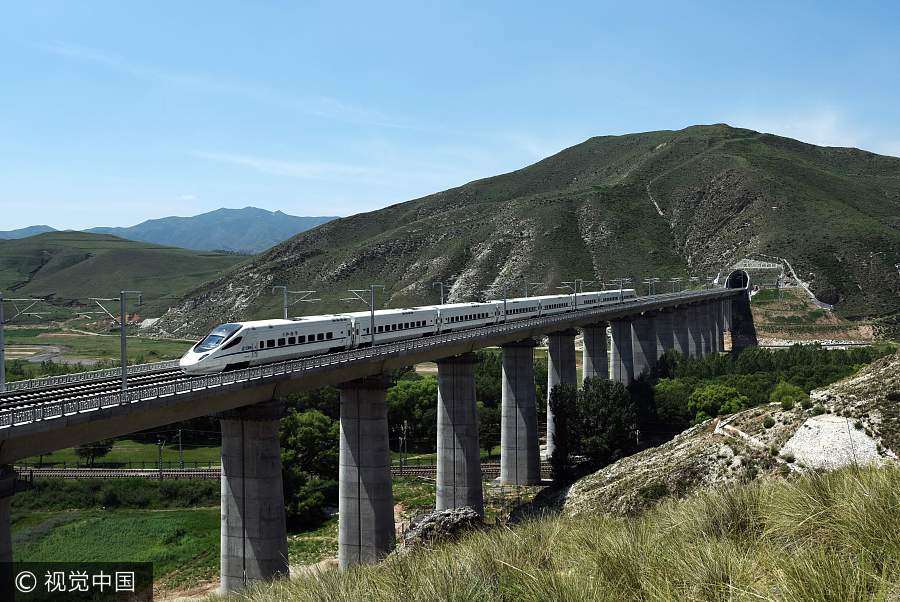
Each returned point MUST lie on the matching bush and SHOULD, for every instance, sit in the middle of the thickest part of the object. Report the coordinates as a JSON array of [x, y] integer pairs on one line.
[[806, 404], [769, 422], [818, 410], [54, 495], [787, 395], [716, 399]]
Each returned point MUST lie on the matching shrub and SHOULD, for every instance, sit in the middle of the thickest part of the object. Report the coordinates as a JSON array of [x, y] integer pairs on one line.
[[818, 410], [806, 404], [715, 399], [787, 395], [769, 422]]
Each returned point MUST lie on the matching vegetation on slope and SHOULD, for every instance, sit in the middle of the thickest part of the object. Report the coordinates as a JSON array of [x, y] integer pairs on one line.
[[588, 212], [820, 537], [72, 266]]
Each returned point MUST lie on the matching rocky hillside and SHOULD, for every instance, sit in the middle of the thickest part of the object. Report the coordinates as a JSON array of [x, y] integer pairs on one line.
[[854, 421], [661, 203]]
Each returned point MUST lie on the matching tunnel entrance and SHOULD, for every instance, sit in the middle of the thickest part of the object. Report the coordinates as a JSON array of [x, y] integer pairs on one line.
[[738, 279]]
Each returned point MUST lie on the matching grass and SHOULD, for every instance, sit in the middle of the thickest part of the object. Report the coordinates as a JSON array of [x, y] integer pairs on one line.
[[72, 266], [127, 451], [101, 347], [832, 537], [183, 545]]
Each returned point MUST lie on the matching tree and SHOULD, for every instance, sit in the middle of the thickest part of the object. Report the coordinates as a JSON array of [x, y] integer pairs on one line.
[[715, 399], [787, 395], [309, 465], [91, 451], [671, 398], [415, 401], [605, 425], [564, 405], [488, 426]]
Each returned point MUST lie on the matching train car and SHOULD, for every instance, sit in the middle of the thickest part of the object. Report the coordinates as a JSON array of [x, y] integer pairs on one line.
[[393, 325], [242, 344], [556, 304], [459, 316], [518, 309]]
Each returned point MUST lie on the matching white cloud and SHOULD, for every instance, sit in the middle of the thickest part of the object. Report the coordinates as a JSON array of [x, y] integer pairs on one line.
[[294, 169], [323, 106], [821, 126], [186, 197]]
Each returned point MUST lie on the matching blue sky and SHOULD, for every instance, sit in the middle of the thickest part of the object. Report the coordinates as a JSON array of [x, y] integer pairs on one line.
[[116, 112]]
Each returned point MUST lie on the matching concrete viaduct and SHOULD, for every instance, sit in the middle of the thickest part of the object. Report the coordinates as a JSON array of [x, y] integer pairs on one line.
[[253, 531]]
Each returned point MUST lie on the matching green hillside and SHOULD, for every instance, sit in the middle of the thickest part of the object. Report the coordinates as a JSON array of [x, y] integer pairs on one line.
[[832, 537], [72, 266], [590, 212]]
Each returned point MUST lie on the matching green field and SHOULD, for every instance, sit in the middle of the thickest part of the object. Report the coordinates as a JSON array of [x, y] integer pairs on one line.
[[101, 347], [127, 452], [49, 525], [72, 266], [183, 545]]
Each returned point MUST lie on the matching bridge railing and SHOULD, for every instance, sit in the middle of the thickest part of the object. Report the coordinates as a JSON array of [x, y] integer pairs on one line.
[[24, 414], [80, 377]]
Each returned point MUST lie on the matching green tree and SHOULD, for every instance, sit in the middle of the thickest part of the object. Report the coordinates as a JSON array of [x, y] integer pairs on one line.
[[309, 465], [787, 395], [715, 399], [91, 451], [488, 426], [415, 401], [564, 404], [605, 425], [671, 397]]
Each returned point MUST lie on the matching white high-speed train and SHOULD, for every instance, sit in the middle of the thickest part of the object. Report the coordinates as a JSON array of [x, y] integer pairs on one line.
[[242, 344]]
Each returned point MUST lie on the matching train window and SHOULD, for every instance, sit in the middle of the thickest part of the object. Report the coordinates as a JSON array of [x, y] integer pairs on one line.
[[405, 325], [301, 338], [270, 343], [233, 343], [328, 335], [292, 340], [262, 344], [281, 342], [320, 336]]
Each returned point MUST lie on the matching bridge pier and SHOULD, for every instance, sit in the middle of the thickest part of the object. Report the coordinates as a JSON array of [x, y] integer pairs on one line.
[[695, 336], [253, 532], [561, 370], [595, 360], [720, 325], [458, 453], [622, 360], [365, 497], [665, 335], [520, 462], [681, 339], [709, 316], [643, 344]]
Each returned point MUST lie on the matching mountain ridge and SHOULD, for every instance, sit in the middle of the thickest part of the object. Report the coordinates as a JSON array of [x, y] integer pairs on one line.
[[724, 193], [248, 230]]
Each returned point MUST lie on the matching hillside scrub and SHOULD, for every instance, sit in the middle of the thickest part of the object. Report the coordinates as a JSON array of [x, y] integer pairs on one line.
[[692, 389], [825, 537]]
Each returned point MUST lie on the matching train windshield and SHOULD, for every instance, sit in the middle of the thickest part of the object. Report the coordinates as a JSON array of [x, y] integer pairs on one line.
[[217, 337]]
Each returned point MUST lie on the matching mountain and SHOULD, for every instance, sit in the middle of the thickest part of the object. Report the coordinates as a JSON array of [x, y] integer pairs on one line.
[[25, 232], [248, 230], [77, 265], [665, 203]]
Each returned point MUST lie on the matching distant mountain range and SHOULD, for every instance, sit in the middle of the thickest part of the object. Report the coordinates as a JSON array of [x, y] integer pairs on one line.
[[666, 204], [248, 230], [24, 232]]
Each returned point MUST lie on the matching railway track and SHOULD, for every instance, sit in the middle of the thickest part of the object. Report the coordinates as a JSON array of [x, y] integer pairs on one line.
[[489, 470], [69, 392]]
